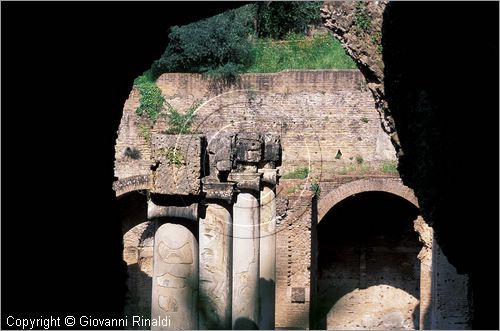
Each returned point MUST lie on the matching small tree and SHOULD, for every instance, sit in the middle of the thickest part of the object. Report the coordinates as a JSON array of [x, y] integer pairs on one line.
[[276, 19], [218, 46]]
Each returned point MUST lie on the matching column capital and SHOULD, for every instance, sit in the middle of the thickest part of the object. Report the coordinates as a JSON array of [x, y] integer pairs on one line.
[[218, 190], [269, 176], [246, 180], [188, 212]]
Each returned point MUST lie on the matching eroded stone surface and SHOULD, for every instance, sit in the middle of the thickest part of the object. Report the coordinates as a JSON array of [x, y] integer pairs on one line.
[[176, 164], [380, 307], [267, 265], [175, 277], [137, 253], [215, 268], [245, 307]]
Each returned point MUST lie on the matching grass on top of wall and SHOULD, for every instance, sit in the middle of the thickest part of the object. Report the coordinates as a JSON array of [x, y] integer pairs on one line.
[[299, 173], [320, 51]]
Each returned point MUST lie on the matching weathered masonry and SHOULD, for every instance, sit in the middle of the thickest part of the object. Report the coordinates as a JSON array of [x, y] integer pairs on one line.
[[276, 211]]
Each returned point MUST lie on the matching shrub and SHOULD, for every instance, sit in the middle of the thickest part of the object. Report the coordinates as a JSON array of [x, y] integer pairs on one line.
[[181, 123], [362, 17], [276, 19], [316, 189], [151, 101], [218, 46]]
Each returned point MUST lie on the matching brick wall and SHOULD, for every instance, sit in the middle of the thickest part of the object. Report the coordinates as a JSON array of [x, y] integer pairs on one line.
[[316, 112], [293, 263]]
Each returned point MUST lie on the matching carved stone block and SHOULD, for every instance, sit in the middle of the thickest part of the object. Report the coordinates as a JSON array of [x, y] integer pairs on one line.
[[298, 294], [248, 147], [176, 163], [220, 147], [272, 148]]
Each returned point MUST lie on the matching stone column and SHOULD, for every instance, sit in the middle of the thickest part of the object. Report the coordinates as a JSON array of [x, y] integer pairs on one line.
[[245, 306], [215, 268], [175, 279], [267, 264], [426, 280]]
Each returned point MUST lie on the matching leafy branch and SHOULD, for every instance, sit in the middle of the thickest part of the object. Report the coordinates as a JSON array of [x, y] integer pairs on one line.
[[181, 123]]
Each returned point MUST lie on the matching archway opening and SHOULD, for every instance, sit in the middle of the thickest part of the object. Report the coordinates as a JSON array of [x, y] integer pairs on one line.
[[368, 270]]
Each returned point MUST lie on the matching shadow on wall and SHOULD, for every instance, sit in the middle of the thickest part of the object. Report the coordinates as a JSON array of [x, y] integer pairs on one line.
[[367, 264], [138, 296], [441, 84], [267, 313], [243, 323], [132, 209]]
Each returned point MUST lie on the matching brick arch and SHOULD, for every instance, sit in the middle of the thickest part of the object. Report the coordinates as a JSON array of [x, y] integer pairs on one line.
[[131, 184], [364, 185]]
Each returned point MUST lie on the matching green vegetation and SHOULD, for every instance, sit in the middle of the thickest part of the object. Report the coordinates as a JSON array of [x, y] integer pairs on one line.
[[174, 156], [299, 173], [246, 39], [362, 18], [144, 131], [364, 120], [249, 39], [321, 51], [390, 167], [219, 46], [316, 189], [377, 41], [276, 19], [360, 167], [151, 101], [355, 169], [181, 123]]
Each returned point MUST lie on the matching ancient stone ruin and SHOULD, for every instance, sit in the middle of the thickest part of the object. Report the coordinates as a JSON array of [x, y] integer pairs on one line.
[[276, 210]]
